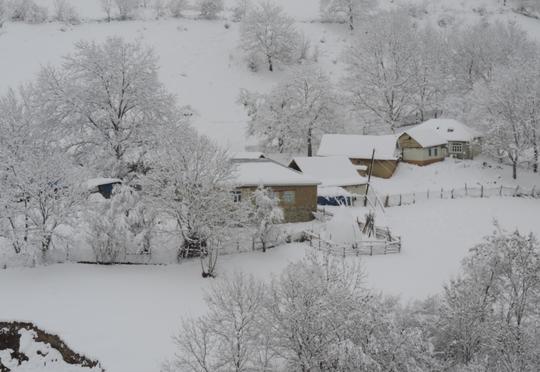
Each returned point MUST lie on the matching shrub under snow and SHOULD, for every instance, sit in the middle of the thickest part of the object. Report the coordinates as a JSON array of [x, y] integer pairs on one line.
[[27, 11]]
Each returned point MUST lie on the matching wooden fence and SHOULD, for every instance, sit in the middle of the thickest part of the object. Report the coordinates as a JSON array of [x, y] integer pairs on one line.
[[359, 248], [395, 200]]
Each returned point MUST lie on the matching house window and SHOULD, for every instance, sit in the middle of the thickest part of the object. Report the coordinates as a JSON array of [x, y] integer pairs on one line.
[[457, 148], [288, 197], [237, 196], [433, 151]]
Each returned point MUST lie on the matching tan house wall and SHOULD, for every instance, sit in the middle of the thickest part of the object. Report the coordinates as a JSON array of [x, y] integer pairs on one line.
[[414, 153], [305, 201], [381, 168]]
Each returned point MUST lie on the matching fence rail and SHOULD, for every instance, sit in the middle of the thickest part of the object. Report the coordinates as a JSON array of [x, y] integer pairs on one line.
[[395, 200], [358, 248]]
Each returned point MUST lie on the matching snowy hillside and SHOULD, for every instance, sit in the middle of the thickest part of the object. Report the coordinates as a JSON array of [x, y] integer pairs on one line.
[[200, 61]]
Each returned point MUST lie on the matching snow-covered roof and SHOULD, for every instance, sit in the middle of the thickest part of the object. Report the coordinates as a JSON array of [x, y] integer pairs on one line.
[[266, 172], [95, 182], [426, 137], [331, 170], [248, 155], [451, 130], [332, 191], [358, 146]]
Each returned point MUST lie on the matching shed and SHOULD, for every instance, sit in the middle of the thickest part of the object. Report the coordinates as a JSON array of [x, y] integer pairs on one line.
[[422, 146], [332, 171], [103, 186], [296, 191], [463, 142], [359, 149]]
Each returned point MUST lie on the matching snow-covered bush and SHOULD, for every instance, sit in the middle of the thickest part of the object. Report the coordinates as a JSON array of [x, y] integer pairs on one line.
[[27, 11], [65, 12], [118, 227], [4, 12], [176, 7], [269, 35], [265, 215], [209, 9]]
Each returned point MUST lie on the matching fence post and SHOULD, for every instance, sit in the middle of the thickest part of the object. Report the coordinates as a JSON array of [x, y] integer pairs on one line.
[[500, 191], [400, 200], [371, 249], [533, 193], [481, 191], [517, 191], [442, 191], [466, 190], [414, 198], [344, 247], [452, 194], [399, 246], [386, 201]]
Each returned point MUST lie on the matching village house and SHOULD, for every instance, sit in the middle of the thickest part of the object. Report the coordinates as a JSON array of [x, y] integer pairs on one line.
[[422, 146], [297, 192], [340, 181], [359, 149], [463, 142]]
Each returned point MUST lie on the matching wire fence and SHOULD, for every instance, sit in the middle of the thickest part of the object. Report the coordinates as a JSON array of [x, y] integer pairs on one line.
[[396, 200]]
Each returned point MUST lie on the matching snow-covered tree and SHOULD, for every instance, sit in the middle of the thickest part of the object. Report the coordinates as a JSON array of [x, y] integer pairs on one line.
[[126, 8], [380, 73], [176, 7], [160, 8], [267, 33], [240, 9], [107, 104], [190, 183], [107, 6], [266, 213], [27, 11], [296, 113], [209, 9], [508, 111], [488, 315], [65, 12], [38, 180], [229, 337], [346, 11]]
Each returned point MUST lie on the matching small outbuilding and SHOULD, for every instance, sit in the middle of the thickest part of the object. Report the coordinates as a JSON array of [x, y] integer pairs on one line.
[[359, 150], [340, 181], [463, 142], [296, 191], [103, 186], [422, 146]]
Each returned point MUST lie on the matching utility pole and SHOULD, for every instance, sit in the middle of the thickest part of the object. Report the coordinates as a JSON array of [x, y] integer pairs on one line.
[[369, 177]]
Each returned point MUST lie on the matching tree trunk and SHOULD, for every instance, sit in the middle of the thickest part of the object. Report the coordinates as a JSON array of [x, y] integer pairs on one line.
[[514, 169], [309, 143], [535, 149], [270, 64], [351, 18]]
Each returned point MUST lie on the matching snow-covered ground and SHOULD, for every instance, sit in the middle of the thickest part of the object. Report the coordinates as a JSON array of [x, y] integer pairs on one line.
[[453, 173], [125, 315], [200, 60]]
